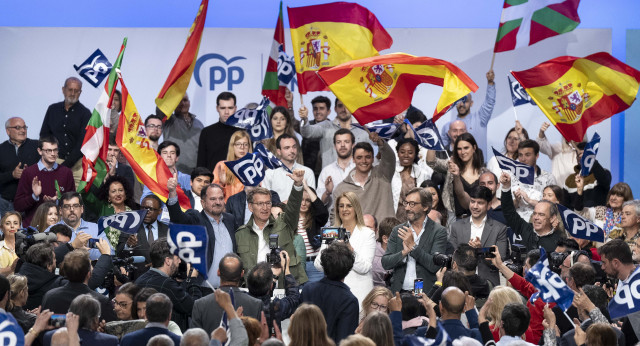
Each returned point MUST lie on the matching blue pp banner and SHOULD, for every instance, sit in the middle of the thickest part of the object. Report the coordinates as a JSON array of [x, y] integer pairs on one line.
[[442, 339], [249, 169], [95, 69], [519, 96], [270, 160], [128, 221], [255, 121], [550, 285], [589, 155], [580, 227], [524, 173], [286, 67], [11, 333], [627, 298], [427, 135], [385, 131], [189, 242]]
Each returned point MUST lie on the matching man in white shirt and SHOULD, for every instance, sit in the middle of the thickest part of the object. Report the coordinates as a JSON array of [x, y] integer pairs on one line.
[[276, 179], [200, 177], [527, 196], [335, 172]]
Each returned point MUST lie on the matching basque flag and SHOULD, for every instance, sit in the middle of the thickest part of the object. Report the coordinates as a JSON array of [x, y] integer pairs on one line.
[[524, 173], [270, 160], [627, 298], [249, 169], [579, 226], [519, 96], [427, 135], [255, 121], [189, 242], [550, 285], [128, 221], [589, 155], [385, 131]]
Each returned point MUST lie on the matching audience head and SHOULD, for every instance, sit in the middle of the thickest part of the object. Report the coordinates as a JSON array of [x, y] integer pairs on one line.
[[528, 152], [118, 191], [159, 308], [287, 148], [200, 177], [337, 260], [411, 307], [16, 130], [566, 245], [466, 150], [321, 108], [342, 113], [46, 215], [10, 223], [348, 209], [452, 302], [230, 269], [71, 90], [88, 310], [162, 258], [169, 152], [153, 205], [140, 301], [308, 326], [123, 304], [385, 228], [501, 296], [194, 337], [553, 193], [515, 319], [456, 279], [253, 328], [598, 296], [259, 201], [377, 327], [260, 280], [601, 334], [371, 222], [71, 208], [153, 125], [456, 128], [343, 141], [160, 340], [377, 300], [511, 142], [407, 150], [19, 290], [63, 233], [489, 180], [581, 274], [533, 256], [225, 105], [619, 193], [545, 214], [41, 255], [239, 145], [417, 204], [480, 200], [77, 266], [357, 340], [616, 258], [630, 215], [363, 157], [212, 200], [464, 259], [281, 120]]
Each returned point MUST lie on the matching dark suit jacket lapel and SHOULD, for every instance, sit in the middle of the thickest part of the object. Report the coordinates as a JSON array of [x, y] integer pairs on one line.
[[163, 229], [466, 231], [212, 236], [486, 233]]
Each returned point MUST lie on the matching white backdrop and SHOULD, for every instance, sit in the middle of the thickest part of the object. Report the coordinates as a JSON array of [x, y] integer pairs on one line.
[[36, 61]]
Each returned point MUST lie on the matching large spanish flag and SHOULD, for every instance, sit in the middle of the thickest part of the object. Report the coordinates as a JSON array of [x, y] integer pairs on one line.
[[575, 93], [148, 166], [178, 80], [382, 86], [328, 35]]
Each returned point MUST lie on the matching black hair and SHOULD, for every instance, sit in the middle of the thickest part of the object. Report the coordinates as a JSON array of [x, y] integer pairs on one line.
[[533, 256], [165, 144], [5, 289], [362, 145], [617, 249], [158, 251], [152, 116], [568, 243], [598, 296], [103, 191], [47, 139], [530, 143], [477, 160], [411, 307], [415, 115], [62, 229], [465, 257], [260, 279], [557, 190], [456, 279], [69, 195], [582, 274], [201, 171], [155, 198], [416, 148], [321, 99], [343, 131], [337, 261], [386, 226], [230, 273], [515, 319], [203, 192], [481, 192], [225, 95], [284, 136], [158, 308]]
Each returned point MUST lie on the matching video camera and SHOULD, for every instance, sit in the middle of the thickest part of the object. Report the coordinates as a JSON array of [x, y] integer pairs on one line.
[[555, 261], [517, 256], [273, 257], [442, 260], [331, 234], [125, 260], [26, 237]]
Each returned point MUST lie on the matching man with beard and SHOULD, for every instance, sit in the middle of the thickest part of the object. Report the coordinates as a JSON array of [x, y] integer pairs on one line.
[[164, 265], [276, 179], [153, 125], [335, 172], [412, 245], [184, 129], [66, 121]]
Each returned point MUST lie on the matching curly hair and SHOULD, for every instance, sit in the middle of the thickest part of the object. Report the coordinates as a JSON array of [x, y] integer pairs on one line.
[[103, 192]]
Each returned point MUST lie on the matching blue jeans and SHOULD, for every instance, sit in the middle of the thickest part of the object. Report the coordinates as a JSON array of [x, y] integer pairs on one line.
[[312, 273]]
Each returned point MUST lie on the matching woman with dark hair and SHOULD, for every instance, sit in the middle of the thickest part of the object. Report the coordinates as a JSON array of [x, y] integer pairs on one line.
[[511, 141], [313, 216], [114, 115], [553, 193], [438, 212], [308, 327], [46, 215], [123, 302], [408, 174], [281, 123]]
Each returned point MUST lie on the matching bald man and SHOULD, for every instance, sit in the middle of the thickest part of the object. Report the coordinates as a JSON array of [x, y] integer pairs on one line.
[[452, 304]]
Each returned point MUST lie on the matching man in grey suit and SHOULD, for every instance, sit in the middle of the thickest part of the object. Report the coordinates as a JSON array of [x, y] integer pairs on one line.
[[207, 313], [412, 245], [480, 231]]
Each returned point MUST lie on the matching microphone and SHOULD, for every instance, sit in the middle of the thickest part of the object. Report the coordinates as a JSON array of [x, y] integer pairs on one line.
[[138, 259]]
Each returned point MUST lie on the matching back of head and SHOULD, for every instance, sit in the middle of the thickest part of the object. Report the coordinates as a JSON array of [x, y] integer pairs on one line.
[[515, 319], [158, 251], [194, 337], [88, 310], [159, 308], [308, 327], [253, 328], [386, 226], [76, 265], [160, 340], [456, 279], [40, 255], [501, 296], [598, 297], [452, 301], [337, 261], [357, 340], [467, 341], [582, 274], [601, 334], [144, 294], [377, 327], [616, 249], [411, 307], [260, 279], [230, 267], [465, 258], [272, 342]]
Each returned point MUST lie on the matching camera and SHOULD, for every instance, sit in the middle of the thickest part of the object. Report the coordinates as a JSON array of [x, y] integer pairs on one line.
[[515, 261], [442, 260], [273, 257], [58, 321], [555, 261], [331, 234], [418, 287], [485, 252], [25, 237]]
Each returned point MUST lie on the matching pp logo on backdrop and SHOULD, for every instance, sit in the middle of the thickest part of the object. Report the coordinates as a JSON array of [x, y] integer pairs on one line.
[[95, 69], [218, 75]]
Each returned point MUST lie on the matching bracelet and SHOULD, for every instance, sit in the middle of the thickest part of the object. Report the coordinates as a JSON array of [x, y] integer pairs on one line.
[[31, 330], [438, 283]]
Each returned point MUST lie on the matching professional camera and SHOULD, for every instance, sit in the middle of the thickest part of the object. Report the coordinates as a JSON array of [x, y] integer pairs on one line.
[[124, 260], [442, 260], [26, 237], [555, 261], [515, 261], [273, 257], [331, 234]]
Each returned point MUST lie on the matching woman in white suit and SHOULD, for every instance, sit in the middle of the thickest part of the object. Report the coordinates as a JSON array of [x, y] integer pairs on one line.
[[362, 242]]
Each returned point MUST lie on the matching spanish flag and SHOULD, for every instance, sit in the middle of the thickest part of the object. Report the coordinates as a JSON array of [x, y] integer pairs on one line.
[[575, 93], [382, 86], [327, 35], [176, 84], [148, 166]]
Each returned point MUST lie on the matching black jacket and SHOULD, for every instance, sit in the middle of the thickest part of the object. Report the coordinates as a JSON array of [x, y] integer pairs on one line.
[[39, 281], [59, 299], [283, 307], [320, 217], [100, 269], [142, 249], [236, 206], [27, 155], [596, 188]]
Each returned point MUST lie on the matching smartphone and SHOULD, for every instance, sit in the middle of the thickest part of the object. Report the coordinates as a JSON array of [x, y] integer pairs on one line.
[[58, 321], [487, 252], [92, 243], [418, 287], [330, 233]]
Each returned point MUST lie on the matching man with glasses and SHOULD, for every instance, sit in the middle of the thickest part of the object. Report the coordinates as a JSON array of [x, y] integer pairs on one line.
[[153, 126], [66, 121], [42, 182], [18, 152]]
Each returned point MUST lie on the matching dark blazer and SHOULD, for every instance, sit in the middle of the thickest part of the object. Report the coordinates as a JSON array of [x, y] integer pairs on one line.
[[567, 338], [142, 336], [433, 240], [236, 206], [339, 306], [39, 282], [87, 337], [59, 299], [207, 313], [456, 330], [126, 172], [27, 155], [494, 233], [142, 249]]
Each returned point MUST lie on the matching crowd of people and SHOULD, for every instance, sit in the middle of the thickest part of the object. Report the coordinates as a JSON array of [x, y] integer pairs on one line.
[[368, 241]]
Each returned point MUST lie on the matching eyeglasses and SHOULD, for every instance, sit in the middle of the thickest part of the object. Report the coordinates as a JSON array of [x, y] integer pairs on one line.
[[241, 145], [379, 307], [120, 304], [151, 127], [71, 206], [262, 204], [19, 128], [50, 151], [411, 204], [151, 208]]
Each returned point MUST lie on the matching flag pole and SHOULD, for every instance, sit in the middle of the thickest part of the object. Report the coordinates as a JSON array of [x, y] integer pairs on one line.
[[493, 59], [301, 100], [515, 114]]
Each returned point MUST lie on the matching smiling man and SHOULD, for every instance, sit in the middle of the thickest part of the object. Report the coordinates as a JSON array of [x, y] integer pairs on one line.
[[150, 230], [276, 179]]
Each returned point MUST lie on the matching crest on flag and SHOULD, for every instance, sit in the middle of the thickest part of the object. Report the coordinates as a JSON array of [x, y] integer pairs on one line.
[[427, 135], [314, 50], [519, 96], [524, 173], [589, 155], [570, 102], [286, 66], [550, 285], [580, 227], [95, 69], [378, 80], [189, 242], [255, 121]]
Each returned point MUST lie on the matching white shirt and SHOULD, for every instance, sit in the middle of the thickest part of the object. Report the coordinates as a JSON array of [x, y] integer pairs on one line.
[[417, 173], [411, 275], [278, 181], [263, 246], [542, 180], [197, 204], [476, 231], [337, 175]]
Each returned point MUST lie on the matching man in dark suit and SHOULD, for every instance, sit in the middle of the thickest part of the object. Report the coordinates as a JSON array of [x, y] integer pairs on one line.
[[77, 269], [200, 177], [339, 306], [206, 311], [158, 312], [412, 245], [220, 225], [480, 231], [237, 205]]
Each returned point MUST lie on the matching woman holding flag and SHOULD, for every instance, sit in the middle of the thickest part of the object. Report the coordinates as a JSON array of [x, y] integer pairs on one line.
[[239, 146]]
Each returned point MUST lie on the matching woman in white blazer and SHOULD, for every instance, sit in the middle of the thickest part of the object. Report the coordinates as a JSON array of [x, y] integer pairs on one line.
[[362, 241]]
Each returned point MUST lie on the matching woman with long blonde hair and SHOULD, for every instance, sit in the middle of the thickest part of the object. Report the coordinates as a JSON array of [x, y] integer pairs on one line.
[[308, 327], [499, 297], [239, 146], [10, 224]]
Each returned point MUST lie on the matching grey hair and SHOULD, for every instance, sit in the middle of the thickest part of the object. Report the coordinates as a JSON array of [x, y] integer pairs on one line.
[[425, 196], [8, 122], [160, 340], [88, 310], [72, 79], [194, 337], [635, 203]]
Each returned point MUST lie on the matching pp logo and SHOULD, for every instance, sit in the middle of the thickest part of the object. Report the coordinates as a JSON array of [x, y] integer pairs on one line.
[[95, 68], [517, 171], [577, 225], [186, 242], [233, 75], [590, 156], [251, 170], [121, 220], [429, 136], [551, 281]]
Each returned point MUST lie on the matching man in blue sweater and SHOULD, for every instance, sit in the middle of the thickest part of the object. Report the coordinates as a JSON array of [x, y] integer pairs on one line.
[[452, 304]]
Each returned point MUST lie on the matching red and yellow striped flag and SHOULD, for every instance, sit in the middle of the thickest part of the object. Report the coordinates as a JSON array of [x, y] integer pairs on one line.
[[382, 86], [148, 166], [178, 80], [327, 35], [575, 93]]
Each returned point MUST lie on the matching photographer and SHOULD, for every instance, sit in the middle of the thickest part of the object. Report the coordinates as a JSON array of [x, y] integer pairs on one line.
[[39, 268], [466, 262]]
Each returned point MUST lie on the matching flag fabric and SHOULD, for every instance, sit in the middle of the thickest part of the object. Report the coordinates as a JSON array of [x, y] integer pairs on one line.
[[525, 22], [11, 333], [255, 121], [224, 322], [127, 222], [96, 139], [95, 69], [519, 96], [58, 192], [524, 173], [551, 287], [427, 135], [249, 169], [385, 131], [380, 87], [330, 34], [273, 87], [442, 339], [148, 166], [189, 242], [178, 80], [579, 227], [627, 298], [575, 93], [270, 160], [589, 155]]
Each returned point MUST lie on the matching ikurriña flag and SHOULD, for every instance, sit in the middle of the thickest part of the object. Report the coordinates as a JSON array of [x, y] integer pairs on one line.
[[273, 87], [330, 34], [575, 93], [380, 87]]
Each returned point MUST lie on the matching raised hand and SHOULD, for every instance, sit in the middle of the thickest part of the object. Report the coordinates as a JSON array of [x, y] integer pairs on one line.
[[395, 303], [543, 128], [453, 168], [288, 95], [490, 77], [505, 180], [328, 185], [172, 183], [303, 113], [36, 186], [297, 176]]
